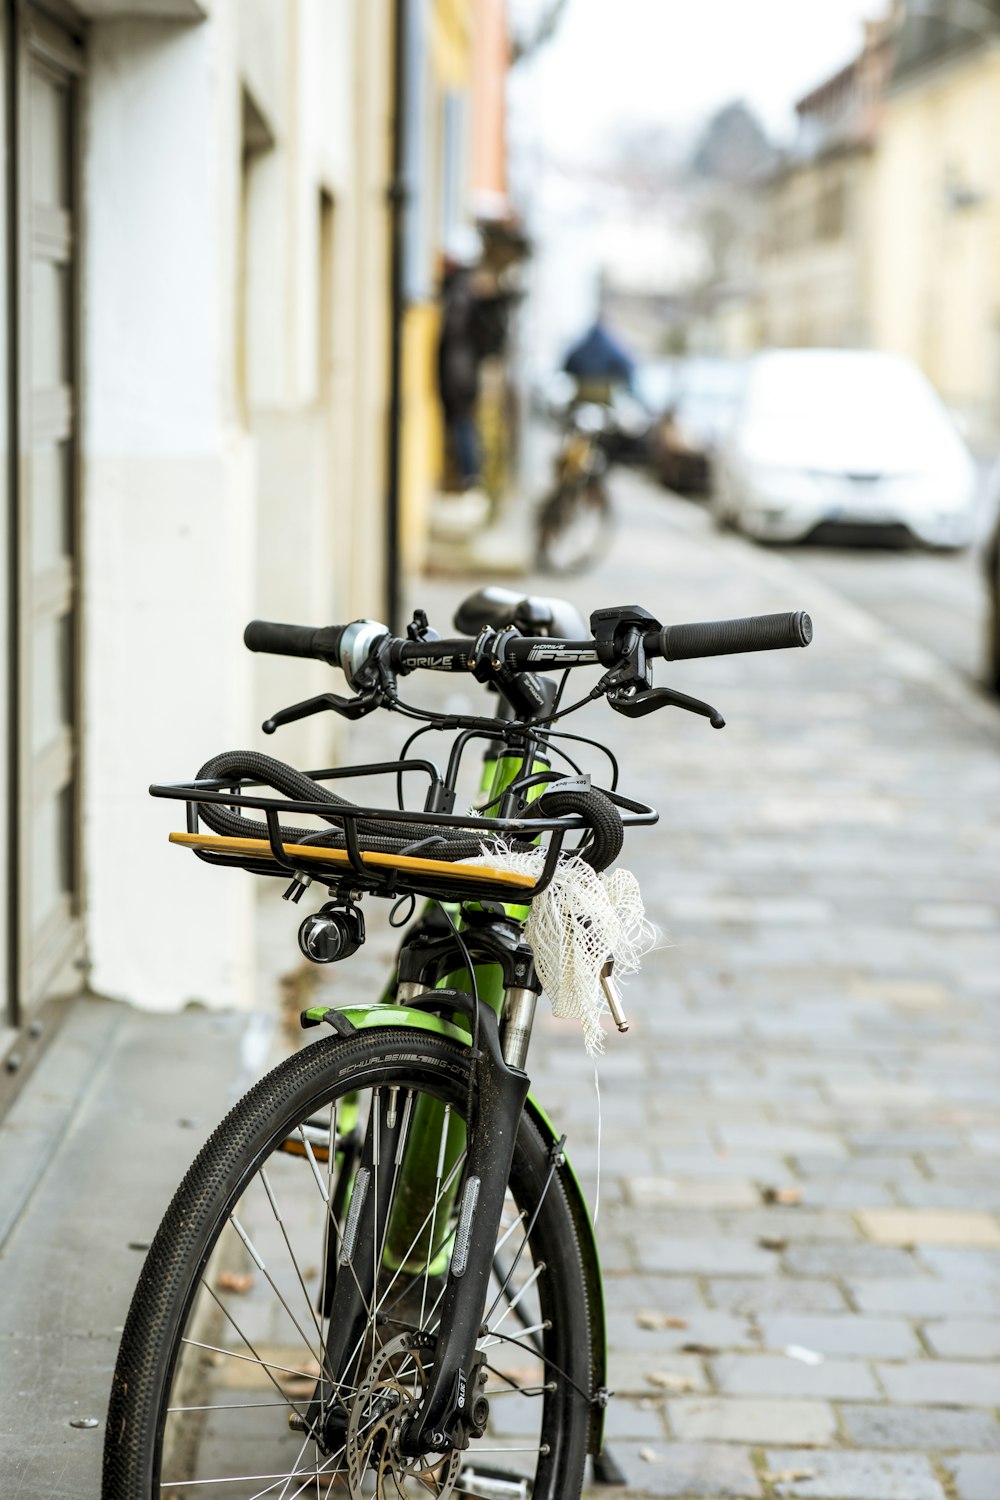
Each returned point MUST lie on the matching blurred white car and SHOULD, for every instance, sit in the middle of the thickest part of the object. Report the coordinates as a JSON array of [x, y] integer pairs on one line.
[[843, 437]]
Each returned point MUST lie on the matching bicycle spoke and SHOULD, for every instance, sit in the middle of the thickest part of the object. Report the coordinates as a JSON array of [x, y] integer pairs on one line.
[[230, 1406], [259, 1262], [266, 1364], [253, 1351], [272, 1200], [513, 1301]]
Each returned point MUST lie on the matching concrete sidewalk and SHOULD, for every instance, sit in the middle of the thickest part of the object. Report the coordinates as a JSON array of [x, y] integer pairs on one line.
[[90, 1156], [800, 1191]]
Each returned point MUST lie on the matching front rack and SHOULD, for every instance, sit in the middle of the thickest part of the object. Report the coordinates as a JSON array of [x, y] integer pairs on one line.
[[416, 872]]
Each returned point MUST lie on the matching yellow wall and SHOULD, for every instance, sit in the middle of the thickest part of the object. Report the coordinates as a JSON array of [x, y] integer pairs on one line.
[[450, 63], [451, 43], [936, 285], [422, 440]]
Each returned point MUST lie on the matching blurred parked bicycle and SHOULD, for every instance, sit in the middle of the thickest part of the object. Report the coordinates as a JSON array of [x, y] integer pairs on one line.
[[574, 522]]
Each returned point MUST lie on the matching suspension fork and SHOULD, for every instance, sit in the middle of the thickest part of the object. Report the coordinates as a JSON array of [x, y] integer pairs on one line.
[[452, 1404], [354, 1254]]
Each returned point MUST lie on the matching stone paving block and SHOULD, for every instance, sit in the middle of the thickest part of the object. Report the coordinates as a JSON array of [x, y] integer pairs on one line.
[[964, 1338], [706, 1257], [617, 1250], [856, 1476], [627, 1419], [966, 1168], [907, 1226], [850, 1260], [663, 1223], [955, 914], [612, 1159], [786, 1140], [725, 1420], [717, 1330], [780, 1375], [919, 1427], [923, 1297], [906, 1140], [879, 1168], [880, 1095], [850, 1193], [963, 1265], [976, 1475], [638, 1292], [696, 1471], [847, 1335], [939, 1382], [782, 1294], [717, 1192], [757, 1167], [629, 1372], [789, 1224], [937, 1194]]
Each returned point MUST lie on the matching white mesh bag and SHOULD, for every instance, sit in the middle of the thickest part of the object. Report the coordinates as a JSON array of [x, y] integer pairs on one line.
[[579, 921]]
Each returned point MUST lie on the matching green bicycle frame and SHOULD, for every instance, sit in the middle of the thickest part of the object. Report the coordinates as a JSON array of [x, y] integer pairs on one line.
[[419, 1171]]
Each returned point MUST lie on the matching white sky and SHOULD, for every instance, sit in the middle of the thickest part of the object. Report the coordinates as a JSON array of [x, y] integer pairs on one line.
[[616, 64]]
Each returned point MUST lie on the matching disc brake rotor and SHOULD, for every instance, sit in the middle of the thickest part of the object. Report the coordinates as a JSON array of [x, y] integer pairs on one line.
[[386, 1399]]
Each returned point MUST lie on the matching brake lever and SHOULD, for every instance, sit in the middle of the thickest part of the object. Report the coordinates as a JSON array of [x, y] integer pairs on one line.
[[348, 708], [643, 701]]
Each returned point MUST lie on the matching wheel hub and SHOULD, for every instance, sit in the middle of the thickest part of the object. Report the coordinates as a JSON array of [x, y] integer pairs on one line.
[[388, 1398]]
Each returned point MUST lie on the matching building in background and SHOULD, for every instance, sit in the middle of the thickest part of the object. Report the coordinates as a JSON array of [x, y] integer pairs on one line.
[[936, 229], [815, 272]]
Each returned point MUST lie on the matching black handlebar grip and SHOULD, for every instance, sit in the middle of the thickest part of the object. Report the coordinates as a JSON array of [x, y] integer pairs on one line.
[[322, 643], [727, 637]]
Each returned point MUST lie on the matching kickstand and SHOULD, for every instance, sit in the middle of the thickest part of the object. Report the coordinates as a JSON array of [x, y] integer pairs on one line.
[[606, 1469]]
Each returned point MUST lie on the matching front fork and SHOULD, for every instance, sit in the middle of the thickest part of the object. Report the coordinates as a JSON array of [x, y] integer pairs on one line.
[[451, 1405]]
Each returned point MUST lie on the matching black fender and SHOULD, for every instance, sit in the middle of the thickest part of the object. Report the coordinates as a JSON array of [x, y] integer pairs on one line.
[[594, 1284]]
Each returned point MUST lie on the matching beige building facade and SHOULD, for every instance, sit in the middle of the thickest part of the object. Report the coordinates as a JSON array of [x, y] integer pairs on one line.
[[936, 230], [195, 355], [815, 272]]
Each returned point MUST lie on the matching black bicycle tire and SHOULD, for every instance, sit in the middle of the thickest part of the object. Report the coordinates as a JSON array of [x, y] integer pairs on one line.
[[226, 1164], [550, 525]]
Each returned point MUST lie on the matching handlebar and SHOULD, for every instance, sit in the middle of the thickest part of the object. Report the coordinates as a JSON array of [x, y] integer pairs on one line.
[[322, 642], [727, 637], [349, 646]]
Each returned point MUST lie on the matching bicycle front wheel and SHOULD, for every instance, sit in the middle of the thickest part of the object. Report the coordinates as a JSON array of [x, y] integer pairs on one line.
[[574, 527], [236, 1368]]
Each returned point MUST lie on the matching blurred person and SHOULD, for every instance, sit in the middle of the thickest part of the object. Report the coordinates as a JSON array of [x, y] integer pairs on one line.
[[599, 365], [459, 354]]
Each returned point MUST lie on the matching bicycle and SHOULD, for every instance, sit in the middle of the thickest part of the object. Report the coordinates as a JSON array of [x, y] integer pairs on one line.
[[574, 522], [426, 1312]]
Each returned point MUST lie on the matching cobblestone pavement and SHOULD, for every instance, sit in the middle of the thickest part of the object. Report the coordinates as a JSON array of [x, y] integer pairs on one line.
[[800, 1189]]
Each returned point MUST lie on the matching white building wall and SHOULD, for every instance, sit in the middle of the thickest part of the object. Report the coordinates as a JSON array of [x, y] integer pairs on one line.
[[217, 485]]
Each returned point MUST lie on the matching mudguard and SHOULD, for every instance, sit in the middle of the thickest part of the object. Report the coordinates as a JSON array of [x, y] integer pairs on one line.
[[587, 1240], [367, 1017]]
